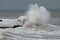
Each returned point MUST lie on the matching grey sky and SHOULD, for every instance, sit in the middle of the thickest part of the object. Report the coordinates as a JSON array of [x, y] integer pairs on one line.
[[22, 4]]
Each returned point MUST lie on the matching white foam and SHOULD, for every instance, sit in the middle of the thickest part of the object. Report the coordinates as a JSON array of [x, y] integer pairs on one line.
[[37, 15]]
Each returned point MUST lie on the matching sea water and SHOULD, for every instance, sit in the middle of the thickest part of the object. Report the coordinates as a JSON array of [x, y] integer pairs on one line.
[[22, 33]]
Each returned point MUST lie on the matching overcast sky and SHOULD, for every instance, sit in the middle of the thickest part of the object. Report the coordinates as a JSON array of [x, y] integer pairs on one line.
[[22, 4]]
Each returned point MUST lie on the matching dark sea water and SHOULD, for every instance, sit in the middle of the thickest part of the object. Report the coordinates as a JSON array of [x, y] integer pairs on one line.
[[16, 14], [10, 14], [55, 18]]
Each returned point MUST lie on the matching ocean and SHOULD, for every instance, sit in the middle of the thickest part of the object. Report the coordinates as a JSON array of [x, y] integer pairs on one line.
[[10, 14], [54, 18], [29, 34]]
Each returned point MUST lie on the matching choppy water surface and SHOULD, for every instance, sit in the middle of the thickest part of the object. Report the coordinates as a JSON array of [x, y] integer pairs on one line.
[[22, 33]]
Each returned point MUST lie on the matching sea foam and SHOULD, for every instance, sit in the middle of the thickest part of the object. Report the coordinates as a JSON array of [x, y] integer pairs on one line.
[[37, 15]]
